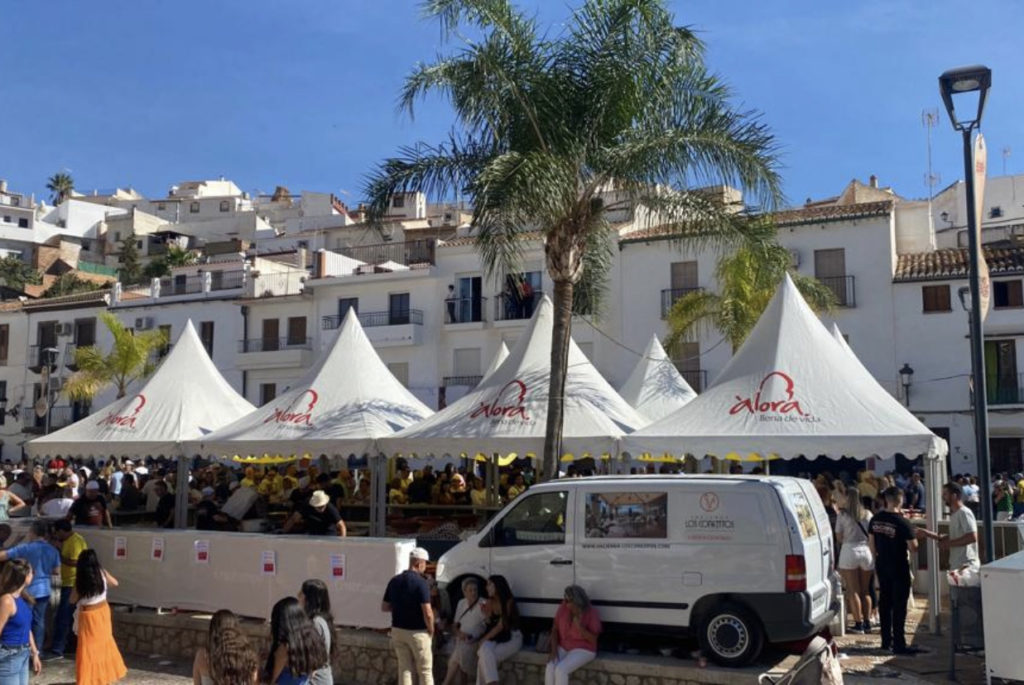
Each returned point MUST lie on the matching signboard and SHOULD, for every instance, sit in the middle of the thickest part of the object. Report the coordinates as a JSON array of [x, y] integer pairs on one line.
[[157, 551], [120, 548]]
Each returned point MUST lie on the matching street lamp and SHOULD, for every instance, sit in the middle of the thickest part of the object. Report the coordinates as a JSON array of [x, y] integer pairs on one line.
[[965, 83], [906, 377], [51, 360]]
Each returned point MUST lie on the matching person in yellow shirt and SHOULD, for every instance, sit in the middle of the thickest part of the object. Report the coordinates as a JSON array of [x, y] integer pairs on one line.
[[71, 546], [271, 485], [250, 480]]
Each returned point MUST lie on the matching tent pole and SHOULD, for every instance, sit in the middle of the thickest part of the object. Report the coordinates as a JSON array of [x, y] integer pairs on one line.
[[933, 488], [767, 467], [378, 496], [181, 492]]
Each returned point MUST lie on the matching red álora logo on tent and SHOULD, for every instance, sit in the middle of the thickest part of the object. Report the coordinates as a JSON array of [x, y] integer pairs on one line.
[[299, 413], [507, 404], [128, 415], [774, 400]]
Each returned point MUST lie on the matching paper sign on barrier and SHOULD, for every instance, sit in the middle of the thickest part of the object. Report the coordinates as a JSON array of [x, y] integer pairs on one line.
[[268, 563], [120, 548], [202, 550], [157, 552], [338, 566]]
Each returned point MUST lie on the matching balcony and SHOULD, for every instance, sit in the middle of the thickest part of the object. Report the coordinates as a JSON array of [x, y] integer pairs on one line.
[[409, 253], [466, 381], [392, 328], [1007, 390], [38, 357], [60, 416], [669, 296], [508, 307], [463, 310], [843, 288], [275, 353]]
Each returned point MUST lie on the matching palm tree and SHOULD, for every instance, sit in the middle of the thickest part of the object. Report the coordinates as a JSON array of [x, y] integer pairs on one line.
[[61, 186], [622, 101], [180, 256], [130, 358], [747, 280]]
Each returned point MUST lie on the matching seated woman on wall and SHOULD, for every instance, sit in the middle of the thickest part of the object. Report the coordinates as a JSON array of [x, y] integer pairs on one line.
[[503, 637], [468, 624], [574, 635]]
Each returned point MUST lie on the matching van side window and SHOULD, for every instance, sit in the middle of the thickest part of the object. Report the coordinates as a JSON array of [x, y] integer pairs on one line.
[[535, 520], [627, 515]]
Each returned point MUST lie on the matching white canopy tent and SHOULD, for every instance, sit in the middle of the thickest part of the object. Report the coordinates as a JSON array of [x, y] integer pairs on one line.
[[655, 388], [185, 399], [790, 391], [345, 403], [506, 412], [499, 358]]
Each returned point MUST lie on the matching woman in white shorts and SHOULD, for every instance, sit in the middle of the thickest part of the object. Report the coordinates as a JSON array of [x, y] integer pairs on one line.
[[856, 565]]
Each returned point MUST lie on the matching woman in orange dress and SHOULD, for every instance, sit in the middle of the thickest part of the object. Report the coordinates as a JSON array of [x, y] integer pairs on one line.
[[97, 661]]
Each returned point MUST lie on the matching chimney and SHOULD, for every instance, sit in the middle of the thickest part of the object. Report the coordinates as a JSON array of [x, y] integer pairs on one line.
[[3, 185], [873, 181], [302, 258]]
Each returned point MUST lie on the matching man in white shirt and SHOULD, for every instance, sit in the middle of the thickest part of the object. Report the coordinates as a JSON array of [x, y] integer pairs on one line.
[[58, 507], [117, 478], [962, 541]]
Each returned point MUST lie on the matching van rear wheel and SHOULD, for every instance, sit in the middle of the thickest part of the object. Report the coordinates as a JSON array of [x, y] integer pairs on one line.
[[730, 635]]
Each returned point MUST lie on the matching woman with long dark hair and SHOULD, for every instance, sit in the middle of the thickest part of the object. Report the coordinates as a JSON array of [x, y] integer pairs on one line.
[[18, 648], [228, 657], [97, 660], [503, 637], [296, 651], [315, 600]]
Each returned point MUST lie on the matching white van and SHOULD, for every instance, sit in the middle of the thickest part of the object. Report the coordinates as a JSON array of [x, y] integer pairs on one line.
[[739, 560]]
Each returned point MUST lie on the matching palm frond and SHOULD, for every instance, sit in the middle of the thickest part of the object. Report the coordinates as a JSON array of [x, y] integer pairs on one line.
[[691, 316]]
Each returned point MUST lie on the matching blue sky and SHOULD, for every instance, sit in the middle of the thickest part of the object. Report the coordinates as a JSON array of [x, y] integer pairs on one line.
[[145, 94]]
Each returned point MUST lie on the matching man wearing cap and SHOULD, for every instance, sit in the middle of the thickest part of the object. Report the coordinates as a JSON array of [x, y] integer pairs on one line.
[[407, 599], [44, 560], [91, 510], [319, 517]]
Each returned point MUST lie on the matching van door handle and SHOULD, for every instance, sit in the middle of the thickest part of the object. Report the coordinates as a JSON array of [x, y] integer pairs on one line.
[[561, 562]]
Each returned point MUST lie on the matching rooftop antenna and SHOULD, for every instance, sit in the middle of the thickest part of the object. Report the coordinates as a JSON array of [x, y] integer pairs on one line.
[[930, 119], [1006, 155]]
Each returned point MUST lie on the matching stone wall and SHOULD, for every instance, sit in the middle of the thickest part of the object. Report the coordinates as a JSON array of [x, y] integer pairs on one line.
[[364, 657]]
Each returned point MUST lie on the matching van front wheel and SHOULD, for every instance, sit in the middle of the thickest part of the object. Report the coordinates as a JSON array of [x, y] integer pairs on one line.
[[730, 635]]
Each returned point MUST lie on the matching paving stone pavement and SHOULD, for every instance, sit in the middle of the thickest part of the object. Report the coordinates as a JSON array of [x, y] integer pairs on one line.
[[142, 670]]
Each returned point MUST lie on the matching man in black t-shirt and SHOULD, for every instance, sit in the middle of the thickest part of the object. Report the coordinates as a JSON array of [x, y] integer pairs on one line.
[[319, 517], [164, 506], [90, 509], [892, 539], [407, 599]]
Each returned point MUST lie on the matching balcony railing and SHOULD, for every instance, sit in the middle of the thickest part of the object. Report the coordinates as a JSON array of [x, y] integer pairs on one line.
[[274, 344], [470, 381], [60, 416], [464, 309], [509, 307], [190, 285], [407, 253], [38, 357], [698, 379], [843, 288], [1006, 391], [398, 317], [669, 296]]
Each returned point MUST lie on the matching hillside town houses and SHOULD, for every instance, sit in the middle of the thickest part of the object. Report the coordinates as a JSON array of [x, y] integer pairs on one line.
[[277, 274]]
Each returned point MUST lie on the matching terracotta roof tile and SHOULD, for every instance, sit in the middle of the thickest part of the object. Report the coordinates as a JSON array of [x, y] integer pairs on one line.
[[471, 240], [952, 263]]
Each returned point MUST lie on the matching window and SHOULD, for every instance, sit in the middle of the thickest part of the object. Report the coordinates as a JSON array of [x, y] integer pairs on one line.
[[534, 520], [686, 356], [345, 304], [206, 335], [627, 515], [683, 275], [935, 298], [7, 218], [465, 304], [3, 393], [296, 330], [22, 223], [830, 269], [271, 331], [1006, 455], [193, 208], [216, 280], [85, 332], [398, 309], [225, 206], [161, 206], [268, 391], [1007, 294], [1001, 379], [995, 212], [165, 330], [400, 370], [5, 339], [398, 201], [466, 361]]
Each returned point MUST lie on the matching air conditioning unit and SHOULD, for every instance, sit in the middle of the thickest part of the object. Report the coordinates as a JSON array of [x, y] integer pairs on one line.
[[143, 323], [794, 258], [65, 329]]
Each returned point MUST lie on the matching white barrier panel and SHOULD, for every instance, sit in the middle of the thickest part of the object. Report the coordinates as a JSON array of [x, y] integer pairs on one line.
[[248, 573]]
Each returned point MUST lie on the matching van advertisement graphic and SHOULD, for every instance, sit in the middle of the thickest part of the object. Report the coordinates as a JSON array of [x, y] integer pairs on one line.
[[627, 515], [708, 522], [775, 399]]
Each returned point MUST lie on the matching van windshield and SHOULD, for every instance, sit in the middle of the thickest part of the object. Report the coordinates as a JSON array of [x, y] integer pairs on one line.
[[534, 520]]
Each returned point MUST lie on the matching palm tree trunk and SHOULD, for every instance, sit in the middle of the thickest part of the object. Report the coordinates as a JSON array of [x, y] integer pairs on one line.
[[559, 367]]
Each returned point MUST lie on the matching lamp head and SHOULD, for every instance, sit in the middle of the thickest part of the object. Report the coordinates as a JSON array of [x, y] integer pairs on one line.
[[959, 82], [906, 374], [964, 293]]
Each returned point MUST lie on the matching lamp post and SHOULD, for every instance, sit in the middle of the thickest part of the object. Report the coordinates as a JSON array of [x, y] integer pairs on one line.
[[51, 360], [906, 377], [963, 82]]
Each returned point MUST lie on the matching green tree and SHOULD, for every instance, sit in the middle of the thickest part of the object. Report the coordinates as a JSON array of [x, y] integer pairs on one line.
[[60, 186], [175, 257], [70, 283], [130, 272], [15, 273], [547, 124], [747, 280], [129, 359]]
